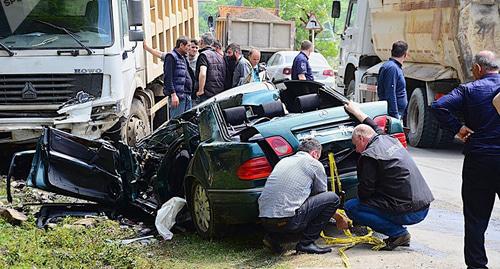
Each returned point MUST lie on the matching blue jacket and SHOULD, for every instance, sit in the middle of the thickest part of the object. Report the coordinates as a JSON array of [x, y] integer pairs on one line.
[[391, 87], [301, 66], [176, 76], [475, 101]]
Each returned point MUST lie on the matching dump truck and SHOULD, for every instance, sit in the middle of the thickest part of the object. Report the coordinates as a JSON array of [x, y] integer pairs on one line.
[[443, 37], [79, 65], [254, 28]]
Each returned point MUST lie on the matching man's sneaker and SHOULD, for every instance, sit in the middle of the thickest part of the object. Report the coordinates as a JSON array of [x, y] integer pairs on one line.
[[393, 242], [273, 245], [312, 248]]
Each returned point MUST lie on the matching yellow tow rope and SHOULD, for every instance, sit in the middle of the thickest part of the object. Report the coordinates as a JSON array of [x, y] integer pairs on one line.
[[349, 241]]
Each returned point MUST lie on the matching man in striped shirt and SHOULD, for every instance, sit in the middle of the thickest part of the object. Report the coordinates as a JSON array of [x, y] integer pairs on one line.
[[295, 199]]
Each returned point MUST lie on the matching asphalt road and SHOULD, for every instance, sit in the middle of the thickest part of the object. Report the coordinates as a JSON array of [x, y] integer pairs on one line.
[[437, 242]]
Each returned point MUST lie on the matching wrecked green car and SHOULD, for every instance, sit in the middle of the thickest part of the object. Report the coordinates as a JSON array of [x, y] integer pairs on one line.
[[217, 155]]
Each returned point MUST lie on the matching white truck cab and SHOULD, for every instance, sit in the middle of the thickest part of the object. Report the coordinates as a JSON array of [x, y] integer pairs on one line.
[[78, 65]]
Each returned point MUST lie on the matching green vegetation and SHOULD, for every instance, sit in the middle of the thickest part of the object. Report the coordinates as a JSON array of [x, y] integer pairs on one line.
[[70, 246]]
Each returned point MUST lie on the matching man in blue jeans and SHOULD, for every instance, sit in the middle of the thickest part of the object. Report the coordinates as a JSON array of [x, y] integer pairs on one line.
[[392, 192], [481, 134], [177, 76]]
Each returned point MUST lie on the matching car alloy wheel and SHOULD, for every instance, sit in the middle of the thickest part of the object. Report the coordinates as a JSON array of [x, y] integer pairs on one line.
[[201, 207]]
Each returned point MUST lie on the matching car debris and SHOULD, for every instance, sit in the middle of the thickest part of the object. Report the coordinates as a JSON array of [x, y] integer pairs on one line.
[[12, 216], [216, 156]]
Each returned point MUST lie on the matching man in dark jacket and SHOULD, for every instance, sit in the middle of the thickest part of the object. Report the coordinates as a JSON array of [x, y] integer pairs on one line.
[[391, 190], [391, 84], [178, 81], [211, 70], [481, 134]]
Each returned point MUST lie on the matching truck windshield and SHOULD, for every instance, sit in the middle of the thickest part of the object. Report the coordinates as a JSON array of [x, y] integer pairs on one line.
[[22, 23]]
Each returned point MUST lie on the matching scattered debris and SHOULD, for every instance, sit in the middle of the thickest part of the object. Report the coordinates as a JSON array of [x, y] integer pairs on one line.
[[13, 216], [165, 218], [146, 239], [87, 222]]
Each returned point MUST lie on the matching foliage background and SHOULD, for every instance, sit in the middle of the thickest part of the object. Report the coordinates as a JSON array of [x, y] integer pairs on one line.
[[327, 42]]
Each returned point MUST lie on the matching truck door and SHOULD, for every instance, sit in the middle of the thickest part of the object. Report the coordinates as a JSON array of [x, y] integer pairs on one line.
[[128, 67], [351, 31]]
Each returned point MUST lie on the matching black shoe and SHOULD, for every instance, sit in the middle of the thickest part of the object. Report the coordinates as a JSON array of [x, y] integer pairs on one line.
[[312, 249], [393, 242], [272, 244]]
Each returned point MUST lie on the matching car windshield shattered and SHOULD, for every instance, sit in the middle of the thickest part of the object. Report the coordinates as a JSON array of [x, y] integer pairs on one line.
[[43, 24], [217, 155]]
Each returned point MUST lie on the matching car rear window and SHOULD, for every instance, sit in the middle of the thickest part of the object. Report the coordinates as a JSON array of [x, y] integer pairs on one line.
[[315, 59]]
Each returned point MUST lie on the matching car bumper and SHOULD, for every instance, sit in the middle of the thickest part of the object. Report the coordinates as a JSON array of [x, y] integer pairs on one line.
[[235, 206]]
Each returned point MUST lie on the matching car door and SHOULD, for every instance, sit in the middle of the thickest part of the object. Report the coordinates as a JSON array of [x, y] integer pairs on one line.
[[77, 167]]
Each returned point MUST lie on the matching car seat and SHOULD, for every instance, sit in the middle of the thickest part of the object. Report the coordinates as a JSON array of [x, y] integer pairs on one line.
[[308, 102]]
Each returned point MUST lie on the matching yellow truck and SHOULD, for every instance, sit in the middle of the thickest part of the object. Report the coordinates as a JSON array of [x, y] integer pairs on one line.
[[443, 36], [79, 65]]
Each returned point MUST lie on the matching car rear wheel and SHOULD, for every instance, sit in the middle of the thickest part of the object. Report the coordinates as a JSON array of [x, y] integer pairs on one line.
[[202, 211]]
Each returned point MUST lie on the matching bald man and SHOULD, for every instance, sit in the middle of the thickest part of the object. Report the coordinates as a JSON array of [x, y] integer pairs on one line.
[[391, 192], [481, 134]]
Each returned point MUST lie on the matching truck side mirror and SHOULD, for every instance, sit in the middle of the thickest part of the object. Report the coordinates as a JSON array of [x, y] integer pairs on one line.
[[336, 9], [135, 20]]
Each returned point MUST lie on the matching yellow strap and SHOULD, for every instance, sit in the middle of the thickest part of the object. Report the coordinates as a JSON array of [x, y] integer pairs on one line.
[[349, 241]]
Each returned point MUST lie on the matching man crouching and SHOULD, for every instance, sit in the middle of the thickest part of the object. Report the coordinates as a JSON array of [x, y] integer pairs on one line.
[[392, 192], [295, 199]]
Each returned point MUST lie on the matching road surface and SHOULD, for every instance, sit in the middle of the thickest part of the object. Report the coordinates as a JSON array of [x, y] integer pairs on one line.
[[437, 242]]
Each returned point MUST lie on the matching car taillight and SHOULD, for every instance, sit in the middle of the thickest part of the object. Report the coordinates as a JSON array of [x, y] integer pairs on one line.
[[279, 145], [256, 168], [328, 73], [438, 95], [287, 71], [381, 121], [402, 138]]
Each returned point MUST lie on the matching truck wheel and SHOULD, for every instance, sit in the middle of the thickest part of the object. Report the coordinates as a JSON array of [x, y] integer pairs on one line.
[[351, 88], [423, 126], [137, 124], [202, 211]]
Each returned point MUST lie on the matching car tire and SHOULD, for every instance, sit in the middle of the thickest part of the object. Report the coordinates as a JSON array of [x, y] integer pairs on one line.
[[137, 124], [202, 211], [424, 128]]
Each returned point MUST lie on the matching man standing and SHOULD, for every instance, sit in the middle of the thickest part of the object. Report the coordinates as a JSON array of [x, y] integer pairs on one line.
[[295, 198], [481, 134], [193, 54], [392, 192], [230, 66], [242, 67], [391, 84], [301, 69], [256, 74], [211, 70], [178, 82]]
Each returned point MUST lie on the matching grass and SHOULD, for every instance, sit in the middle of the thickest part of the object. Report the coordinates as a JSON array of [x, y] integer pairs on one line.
[[26, 246]]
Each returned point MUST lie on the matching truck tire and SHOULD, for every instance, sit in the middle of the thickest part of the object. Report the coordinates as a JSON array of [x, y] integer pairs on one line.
[[424, 128], [350, 91], [137, 125]]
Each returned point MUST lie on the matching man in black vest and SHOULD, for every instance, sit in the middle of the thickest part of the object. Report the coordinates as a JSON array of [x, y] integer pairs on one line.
[[391, 192], [178, 82], [210, 70]]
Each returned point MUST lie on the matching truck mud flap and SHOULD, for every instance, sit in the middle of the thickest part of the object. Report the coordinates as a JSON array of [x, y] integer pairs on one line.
[[76, 167]]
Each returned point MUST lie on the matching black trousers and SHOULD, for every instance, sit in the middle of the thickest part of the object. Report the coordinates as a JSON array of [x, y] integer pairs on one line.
[[310, 218], [481, 183]]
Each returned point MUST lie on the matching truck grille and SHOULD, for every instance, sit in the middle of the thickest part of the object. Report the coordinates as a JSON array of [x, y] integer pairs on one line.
[[46, 89]]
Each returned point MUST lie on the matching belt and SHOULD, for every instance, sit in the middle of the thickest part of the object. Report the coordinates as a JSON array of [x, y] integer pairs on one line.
[[278, 222]]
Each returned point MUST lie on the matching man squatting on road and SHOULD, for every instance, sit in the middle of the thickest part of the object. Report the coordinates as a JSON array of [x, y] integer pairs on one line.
[[295, 199], [391, 192], [481, 134]]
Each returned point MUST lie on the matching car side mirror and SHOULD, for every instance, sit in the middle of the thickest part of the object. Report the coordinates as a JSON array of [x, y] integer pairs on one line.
[[210, 22], [135, 20], [336, 9]]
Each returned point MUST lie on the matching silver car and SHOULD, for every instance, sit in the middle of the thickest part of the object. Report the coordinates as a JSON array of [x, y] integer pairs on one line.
[[279, 66]]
